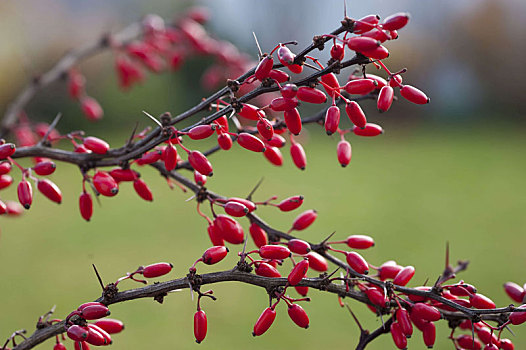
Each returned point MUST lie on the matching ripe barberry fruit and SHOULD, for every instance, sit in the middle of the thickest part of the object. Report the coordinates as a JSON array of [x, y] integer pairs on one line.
[[200, 163], [332, 82], [91, 108], [414, 95], [396, 21], [264, 321], [214, 235], [398, 336], [362, 43], [50, 190], [404, 276], [298, 155], [361, 86], [273, 155], [514, 291], [293, 121], [298, 316], [311, 95], [429, 334], [250, 142], [332, 120], [385, 98], [251, 112], [214, 254], [402, 317], [344, 153], [425, 312], [44, 168], [304, 220], [298, 272], [59, 346], [224, 141], [277, 252], [259, 236], [156, 270], [355, 114], [467, 342], [5, 181], [277, 141], [229, 229], [264, 67], [289, 90], [518, 317], [77, 333], [285, 56], [265, 128], [279, 76], [317, 262], [281, 104], [303, 291], [94, 312], [267, 270], [480, 301], [142, 190], [337, 52], [105, 184], [365, 24], [200, 326], [247, 203], [7, 150], [76, 82], [170, 157], [110, 325], [25, 193], [357, 263], [86, 205], [369, 130], [5, 168], [290, 203], [96, 145], [299, 246]]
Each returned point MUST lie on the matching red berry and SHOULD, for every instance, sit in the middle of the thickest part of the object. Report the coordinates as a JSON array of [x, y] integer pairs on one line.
[[332, 82], [377, 34], [357, 263], [77, 333], [264, 321], [250, 142], [200, 326], [50, 190], [273, 155], [280, 104], [251, 112], [95, 337], [376, 297], [479, 301], [385, 98], [514, 291], [265, 128], [379, 53], [398, 336], [518, 317], [105, 184], [224, 141], [279, 75], [201, 132], [5, 168], [59, 346], [81, 149], [102, 332], [361, 86], [290, 203], [337, 52], [389, 269], [302, 290], [3, 208], [298, 155], [361, 43], [86, 205], [264, 67], [81, 345], [96, 145], [298, 272], [236, 209], [404, 276], [293, 121], [344, 153], [359, 242], [110, 325], [94, 312], [355, 114], [304, 220], [259, 236], [365, 24], [215, 236], [200, 163], [285, 56], [142, 190], [298, 316], [467, 342], [267, 270], [150, 157], [462, 289], [157, 270], [214, 254], [295, 68], [506, 344], [414, 95], [44, 168], [229, 229], [277, 141], [402, 317], [76, 84], [396, 21], [91, 108], [123, 174], [429, 334], [249, 204], [25, 193], [369, 129], [277, 252], [396, 80], [170, 157], [425, 312], [311, 95], [317, 262], [5, 181], [7, 150], [298, 246], [289, 90], [332, 120]]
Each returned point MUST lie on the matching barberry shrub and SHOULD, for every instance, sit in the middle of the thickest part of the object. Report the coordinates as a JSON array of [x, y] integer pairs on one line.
[[259, 107]]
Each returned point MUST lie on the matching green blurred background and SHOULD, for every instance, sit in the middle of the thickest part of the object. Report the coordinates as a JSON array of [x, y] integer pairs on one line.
[[451, 171]]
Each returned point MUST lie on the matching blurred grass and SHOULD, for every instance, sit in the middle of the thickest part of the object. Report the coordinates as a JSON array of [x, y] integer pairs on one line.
[[411, 189]]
